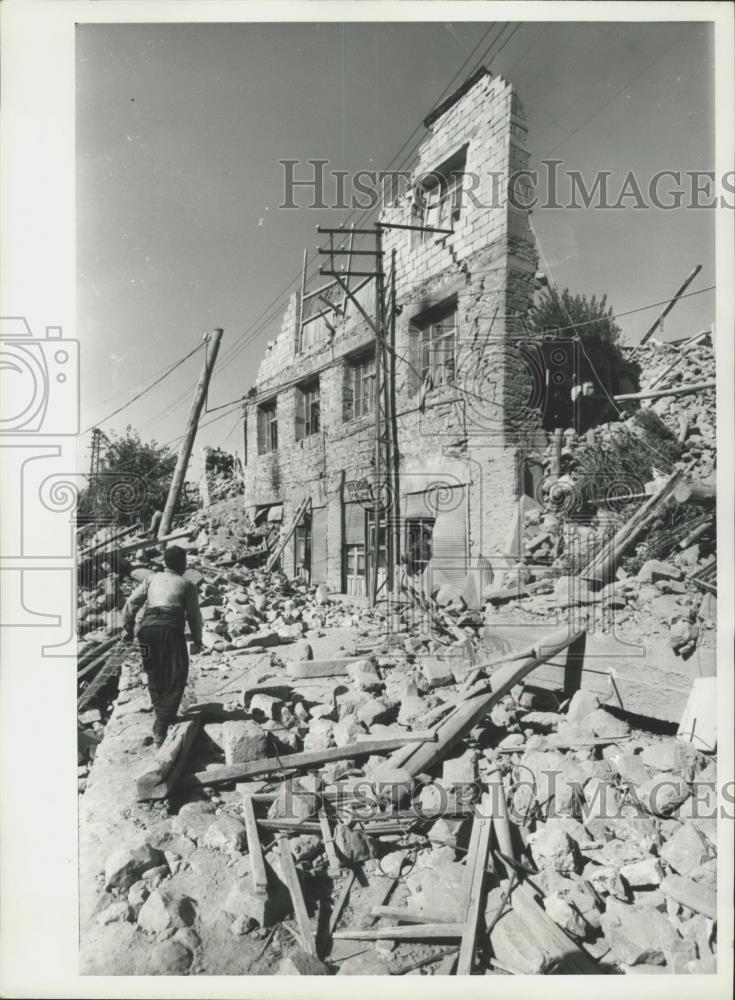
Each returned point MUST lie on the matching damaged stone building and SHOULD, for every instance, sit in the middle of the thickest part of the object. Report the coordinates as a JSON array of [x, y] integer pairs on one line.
[[460, 387]]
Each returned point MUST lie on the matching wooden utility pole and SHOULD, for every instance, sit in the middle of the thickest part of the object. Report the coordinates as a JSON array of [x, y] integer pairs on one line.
[[672, 302], [187, 444]]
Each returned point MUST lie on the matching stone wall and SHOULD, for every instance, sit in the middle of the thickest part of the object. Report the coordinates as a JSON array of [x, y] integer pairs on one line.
[[486, 268]]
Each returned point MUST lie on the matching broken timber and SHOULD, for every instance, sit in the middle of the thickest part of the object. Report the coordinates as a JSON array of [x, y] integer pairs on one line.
[[476, 866], [602, 567], [255, 849], [421, 759], [413, 932], [549, 936], [297, 897], [283, 542], [681, 390], [294, 761], [114, 661], [157, 781], [334, 868]]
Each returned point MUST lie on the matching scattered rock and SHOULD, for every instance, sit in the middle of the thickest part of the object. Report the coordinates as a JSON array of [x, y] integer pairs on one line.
[[226, 833], [243, 741], [125, 865], [165, 910]]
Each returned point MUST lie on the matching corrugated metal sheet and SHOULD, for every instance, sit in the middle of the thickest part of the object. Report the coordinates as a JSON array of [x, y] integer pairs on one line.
[[319, 545], [449, 539], [354, 524]]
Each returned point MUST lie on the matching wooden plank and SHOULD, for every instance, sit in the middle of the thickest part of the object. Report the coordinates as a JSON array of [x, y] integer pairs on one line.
[[467, 714], [153, 543], [94, 654], [680, 390], [341, 900], [306, 669], [501, 819], [157, 781], [658, 322], [412, 932], [476, 867], [276, 553], [115, 660], [90, 668], [409, 916], [333, 861], [255, 848], [291, 762], [549, 937], [297, 897], [313, 826]]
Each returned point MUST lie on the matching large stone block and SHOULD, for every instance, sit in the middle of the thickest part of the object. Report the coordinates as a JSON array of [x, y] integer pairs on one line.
[[243, 741]]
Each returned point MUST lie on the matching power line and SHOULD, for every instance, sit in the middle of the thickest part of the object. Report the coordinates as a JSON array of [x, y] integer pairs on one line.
[[248, 336], [144, 391]]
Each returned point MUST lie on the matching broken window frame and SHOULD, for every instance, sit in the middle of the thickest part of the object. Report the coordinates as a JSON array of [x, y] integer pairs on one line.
[[437, 339], [437, 200], [361, 400], [267, 427], [308, 413]]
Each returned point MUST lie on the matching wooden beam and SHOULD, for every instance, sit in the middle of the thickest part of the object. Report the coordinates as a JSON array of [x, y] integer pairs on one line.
[[409, 916], [415, 932], [670, 305], [297, 896], [157, 781], [476, 866], [255, 848], [469, 712], [294, 761], [335, 867], [341, 900], [501, 819], [603, 565], [680, 390], [549, 937], [276, 553], [152, 543]]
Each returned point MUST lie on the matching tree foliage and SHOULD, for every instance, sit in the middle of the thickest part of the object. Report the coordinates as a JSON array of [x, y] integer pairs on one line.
[[602, 361], [133, 481]]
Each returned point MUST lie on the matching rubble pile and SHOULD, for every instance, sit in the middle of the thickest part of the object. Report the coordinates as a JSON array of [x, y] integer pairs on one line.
[[603, 478], [610, 832], [386, 791], [222, 477]]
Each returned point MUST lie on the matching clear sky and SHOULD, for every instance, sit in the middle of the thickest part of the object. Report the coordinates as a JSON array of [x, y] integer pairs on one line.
[[179, 133]]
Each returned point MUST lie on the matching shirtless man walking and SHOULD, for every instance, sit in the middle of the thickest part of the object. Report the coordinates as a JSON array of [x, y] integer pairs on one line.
[[170, 601]]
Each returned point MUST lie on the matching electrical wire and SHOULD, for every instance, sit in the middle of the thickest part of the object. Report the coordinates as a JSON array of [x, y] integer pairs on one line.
[[144, 391]]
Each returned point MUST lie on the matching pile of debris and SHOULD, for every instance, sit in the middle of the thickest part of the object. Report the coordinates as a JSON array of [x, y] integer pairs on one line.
[[501, 815], [222, 476], [407, 776], [497, 809]]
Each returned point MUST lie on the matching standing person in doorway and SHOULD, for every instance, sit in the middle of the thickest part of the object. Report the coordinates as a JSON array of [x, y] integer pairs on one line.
[[170, 601]]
